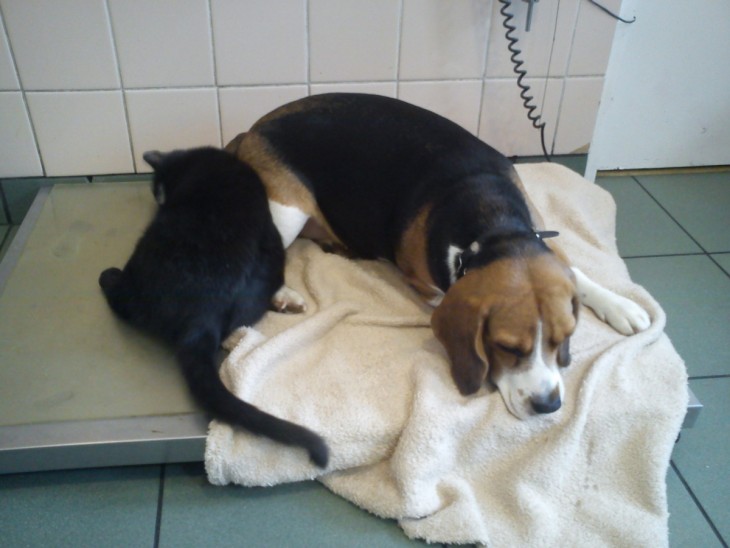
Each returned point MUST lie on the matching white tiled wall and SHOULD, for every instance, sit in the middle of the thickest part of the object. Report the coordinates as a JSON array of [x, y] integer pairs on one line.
[[86, 86]]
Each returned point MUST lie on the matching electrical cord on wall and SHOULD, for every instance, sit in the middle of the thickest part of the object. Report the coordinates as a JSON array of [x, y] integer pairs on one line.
[[512, 41], [517, 63], [612, 14]]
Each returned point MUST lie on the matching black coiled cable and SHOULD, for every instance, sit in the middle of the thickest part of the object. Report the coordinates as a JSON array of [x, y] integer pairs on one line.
[[517, 63]]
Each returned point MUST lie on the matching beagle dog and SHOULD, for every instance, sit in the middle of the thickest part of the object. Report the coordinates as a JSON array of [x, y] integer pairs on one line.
[[385, 179]]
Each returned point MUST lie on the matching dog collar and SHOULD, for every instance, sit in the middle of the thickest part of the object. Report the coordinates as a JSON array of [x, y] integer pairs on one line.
[[541, 235], [462, 262]]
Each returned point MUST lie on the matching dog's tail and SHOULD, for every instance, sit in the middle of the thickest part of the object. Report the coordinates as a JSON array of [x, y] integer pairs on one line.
[[196, 354]]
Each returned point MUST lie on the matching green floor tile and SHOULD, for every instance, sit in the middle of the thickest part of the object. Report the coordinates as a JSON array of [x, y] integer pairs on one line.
[[7, 233], [703, 453], [196, 513], [723, 259], [699, 202], [20, 193], [695, 294], [642, 227], [103, 507], [687, 525]]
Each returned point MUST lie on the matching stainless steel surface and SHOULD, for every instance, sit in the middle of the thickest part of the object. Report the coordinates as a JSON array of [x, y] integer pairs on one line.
[[77, 386]]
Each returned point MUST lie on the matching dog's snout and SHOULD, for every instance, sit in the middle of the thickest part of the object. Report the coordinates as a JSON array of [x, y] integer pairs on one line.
[[546, 403]]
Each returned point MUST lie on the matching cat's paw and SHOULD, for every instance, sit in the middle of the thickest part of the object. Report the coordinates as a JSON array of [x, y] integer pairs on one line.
[[288, 301]]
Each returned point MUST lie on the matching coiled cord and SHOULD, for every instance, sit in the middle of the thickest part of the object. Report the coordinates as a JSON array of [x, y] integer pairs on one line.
[[517, 63]]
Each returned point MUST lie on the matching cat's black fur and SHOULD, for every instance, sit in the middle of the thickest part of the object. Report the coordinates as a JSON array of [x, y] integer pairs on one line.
[[209, 262]]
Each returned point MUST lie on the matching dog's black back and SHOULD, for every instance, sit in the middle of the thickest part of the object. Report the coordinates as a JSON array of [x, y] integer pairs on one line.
[[379, 160], [209, 262]]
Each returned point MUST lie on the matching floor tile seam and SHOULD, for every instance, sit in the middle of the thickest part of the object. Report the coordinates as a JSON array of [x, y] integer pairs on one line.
[[661, 255], [5, 206], [698, 254], [4, 238], [665, 210], [160, 500], [708, 377], [719, 266], [697, 502]]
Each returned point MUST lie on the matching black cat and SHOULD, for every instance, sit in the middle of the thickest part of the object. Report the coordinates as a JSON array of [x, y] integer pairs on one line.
[[209, 262]]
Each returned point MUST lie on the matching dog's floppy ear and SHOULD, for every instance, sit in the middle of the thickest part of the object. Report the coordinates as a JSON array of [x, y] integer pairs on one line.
[[459, 323], [564, 353], [564, 348]]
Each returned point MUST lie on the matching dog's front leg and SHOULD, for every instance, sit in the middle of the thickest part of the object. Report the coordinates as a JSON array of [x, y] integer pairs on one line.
[[289, 221], [623, 314]]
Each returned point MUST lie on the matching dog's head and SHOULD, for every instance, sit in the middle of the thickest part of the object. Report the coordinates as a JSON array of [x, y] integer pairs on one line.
[[510, 322]]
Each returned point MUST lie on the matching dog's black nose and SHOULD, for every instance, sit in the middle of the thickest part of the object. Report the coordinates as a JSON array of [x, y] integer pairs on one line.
[[548, 403]]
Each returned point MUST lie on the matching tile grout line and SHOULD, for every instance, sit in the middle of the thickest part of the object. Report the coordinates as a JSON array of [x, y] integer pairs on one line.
[[665, 210], [23, 94], [697, 502], [398, 46], [160, 498], [292, 83], [660, 255], [483, 72], [704, 251], [122, 89], [563, 77], [5, 206], [214, 65], [708, 377], [308, 46]]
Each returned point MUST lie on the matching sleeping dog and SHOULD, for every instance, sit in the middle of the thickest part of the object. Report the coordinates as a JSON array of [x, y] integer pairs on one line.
[[385, 179]]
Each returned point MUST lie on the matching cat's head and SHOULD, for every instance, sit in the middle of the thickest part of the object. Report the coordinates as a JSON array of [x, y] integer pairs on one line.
[[162, 163], [187, 175]]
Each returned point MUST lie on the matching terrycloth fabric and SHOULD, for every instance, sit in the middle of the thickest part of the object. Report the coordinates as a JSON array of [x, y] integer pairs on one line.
[[363, 369]]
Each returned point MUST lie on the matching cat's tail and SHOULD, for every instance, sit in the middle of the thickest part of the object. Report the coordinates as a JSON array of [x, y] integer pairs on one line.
[[196, 354]]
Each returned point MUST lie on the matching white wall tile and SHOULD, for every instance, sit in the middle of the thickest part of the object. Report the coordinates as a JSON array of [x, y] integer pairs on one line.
[[162, 43], [8, 78], [352, 40], [457, 101], [389, 89], [259, 41], [504, 124], [593, 38], [581, 97], [539, 51], [61, 45], [18, 153], [171, 118], [443, 39], [241, 107], [81, 133], [238, 60]]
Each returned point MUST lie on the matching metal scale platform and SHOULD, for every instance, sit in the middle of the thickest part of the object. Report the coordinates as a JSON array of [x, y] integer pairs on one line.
[[78, 388]]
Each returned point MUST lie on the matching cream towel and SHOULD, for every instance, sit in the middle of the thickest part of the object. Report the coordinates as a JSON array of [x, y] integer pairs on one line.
[[363, 369]]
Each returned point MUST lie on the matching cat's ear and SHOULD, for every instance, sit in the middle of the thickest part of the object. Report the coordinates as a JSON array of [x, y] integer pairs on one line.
[[154, 158]]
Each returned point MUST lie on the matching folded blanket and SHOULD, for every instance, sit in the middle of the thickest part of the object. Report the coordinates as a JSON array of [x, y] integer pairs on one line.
[[363, 369]]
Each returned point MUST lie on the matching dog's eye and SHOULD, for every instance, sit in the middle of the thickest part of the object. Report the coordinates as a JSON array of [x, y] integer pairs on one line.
[[510, 350]]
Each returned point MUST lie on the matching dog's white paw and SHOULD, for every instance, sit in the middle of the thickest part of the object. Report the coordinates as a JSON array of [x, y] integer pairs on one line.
[[623, 314], [288, 301]]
